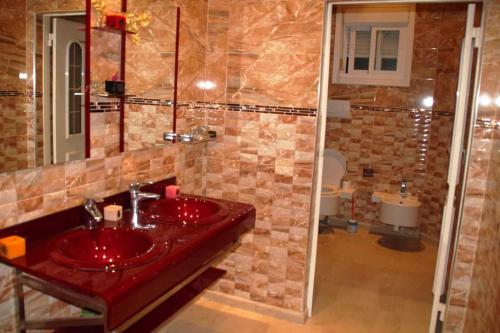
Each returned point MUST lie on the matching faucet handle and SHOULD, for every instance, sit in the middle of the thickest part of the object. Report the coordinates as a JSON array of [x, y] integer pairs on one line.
[[137, 186]]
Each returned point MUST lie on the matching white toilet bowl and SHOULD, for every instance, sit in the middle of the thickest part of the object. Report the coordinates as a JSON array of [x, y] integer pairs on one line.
[[334, 168], [330, 200]]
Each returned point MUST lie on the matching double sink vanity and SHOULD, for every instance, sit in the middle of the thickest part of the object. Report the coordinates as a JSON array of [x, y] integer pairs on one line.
[[121, 271]]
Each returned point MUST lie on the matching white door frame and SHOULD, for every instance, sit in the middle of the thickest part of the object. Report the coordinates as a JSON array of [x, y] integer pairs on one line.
[[47, 78], [320, 144], [472, 39]]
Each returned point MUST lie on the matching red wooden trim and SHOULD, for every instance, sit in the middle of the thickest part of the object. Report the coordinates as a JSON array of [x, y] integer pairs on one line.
[[88, 23], [176, 71], [122, 77]]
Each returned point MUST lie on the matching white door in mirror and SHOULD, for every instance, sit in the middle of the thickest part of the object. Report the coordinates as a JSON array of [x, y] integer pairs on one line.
[[68, 119]]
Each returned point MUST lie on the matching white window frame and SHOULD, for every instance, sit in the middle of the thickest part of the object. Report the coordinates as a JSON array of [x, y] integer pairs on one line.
[[400, 77]]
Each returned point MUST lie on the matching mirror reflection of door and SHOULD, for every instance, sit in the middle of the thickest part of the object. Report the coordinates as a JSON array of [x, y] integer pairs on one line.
[[67, 49]]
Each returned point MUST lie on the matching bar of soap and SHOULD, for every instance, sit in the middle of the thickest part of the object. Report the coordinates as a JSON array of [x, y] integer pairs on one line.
[[113, 212], [12, 247]]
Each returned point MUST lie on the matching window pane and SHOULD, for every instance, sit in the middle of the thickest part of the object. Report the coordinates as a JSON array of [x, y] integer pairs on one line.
[[75, 89], [362, 50], [386, 58]]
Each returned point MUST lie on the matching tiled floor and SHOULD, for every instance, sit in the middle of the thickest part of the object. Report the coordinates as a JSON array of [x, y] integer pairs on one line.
[[360, 287]]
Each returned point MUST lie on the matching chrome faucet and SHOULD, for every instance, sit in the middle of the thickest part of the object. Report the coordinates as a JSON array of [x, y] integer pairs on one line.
[[91, 207], [137, 196], [403, 189]]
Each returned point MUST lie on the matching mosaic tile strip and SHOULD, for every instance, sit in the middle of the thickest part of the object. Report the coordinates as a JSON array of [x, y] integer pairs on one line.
[[19, 93], [488, 123], [98, 106], [114, 106], [249, 108], [398, 110], [148, 101], [224, 107]]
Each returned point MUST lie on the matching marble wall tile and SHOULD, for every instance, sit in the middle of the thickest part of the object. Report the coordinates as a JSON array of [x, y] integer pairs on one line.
[[264, 38], [439, 29], [274, 27], [150, 61], [397, 145], [12, 45], [15, 133], [474, 301], [145, 125], [270, 174], [294, 80]]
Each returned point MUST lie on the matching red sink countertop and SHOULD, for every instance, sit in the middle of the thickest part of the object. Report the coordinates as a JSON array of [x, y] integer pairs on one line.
[[184, 249]]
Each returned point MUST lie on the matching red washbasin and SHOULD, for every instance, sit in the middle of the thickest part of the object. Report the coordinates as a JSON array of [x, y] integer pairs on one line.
[[103, 249], [187, 211]]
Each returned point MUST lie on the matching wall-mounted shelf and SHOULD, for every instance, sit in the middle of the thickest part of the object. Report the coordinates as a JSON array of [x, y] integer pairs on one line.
[[190, 138], [195, 141], [112, 30]]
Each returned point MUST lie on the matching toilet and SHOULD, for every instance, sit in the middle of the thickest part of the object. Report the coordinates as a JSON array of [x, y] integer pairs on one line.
[[334, 169]]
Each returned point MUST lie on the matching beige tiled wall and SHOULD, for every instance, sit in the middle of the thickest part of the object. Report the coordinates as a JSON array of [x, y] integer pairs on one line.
[[16, 151], [150, 60], [265, 53], [266, 160], [145, 125], [12, 44], [410, 145], [474, 295], [13, 128], [439, 29]]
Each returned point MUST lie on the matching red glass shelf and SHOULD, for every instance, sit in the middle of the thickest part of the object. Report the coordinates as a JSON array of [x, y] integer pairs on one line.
[[112, 30]]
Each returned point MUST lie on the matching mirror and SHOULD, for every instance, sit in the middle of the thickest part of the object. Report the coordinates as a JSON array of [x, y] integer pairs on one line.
[[42, 70], [150, 68], [165, 99]]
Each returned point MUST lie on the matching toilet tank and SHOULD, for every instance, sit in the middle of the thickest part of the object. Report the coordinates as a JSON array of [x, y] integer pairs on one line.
[[334, 167]]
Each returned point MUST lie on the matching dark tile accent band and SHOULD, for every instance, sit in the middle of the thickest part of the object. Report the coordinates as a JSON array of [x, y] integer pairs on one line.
[[148, 101], [395, 109], [249, 108], [19, 93], [488, 123], [224, 106], [96, 107]]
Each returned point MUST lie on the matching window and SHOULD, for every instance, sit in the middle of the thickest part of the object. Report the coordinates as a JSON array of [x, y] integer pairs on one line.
[[373, 45]]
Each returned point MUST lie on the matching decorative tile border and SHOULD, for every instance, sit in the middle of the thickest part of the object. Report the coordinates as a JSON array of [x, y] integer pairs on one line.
[[99, 106], [393, 109], [149, 101], [249, 108], [224, 106], [19, 93], [488, 123]]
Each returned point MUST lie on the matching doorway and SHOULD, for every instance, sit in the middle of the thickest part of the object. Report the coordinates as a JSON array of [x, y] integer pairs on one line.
[[391, 135], [63, 87]]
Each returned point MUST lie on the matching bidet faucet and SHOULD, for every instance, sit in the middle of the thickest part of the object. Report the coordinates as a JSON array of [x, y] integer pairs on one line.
[[136, 196], [403, 189], [91, 207]]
